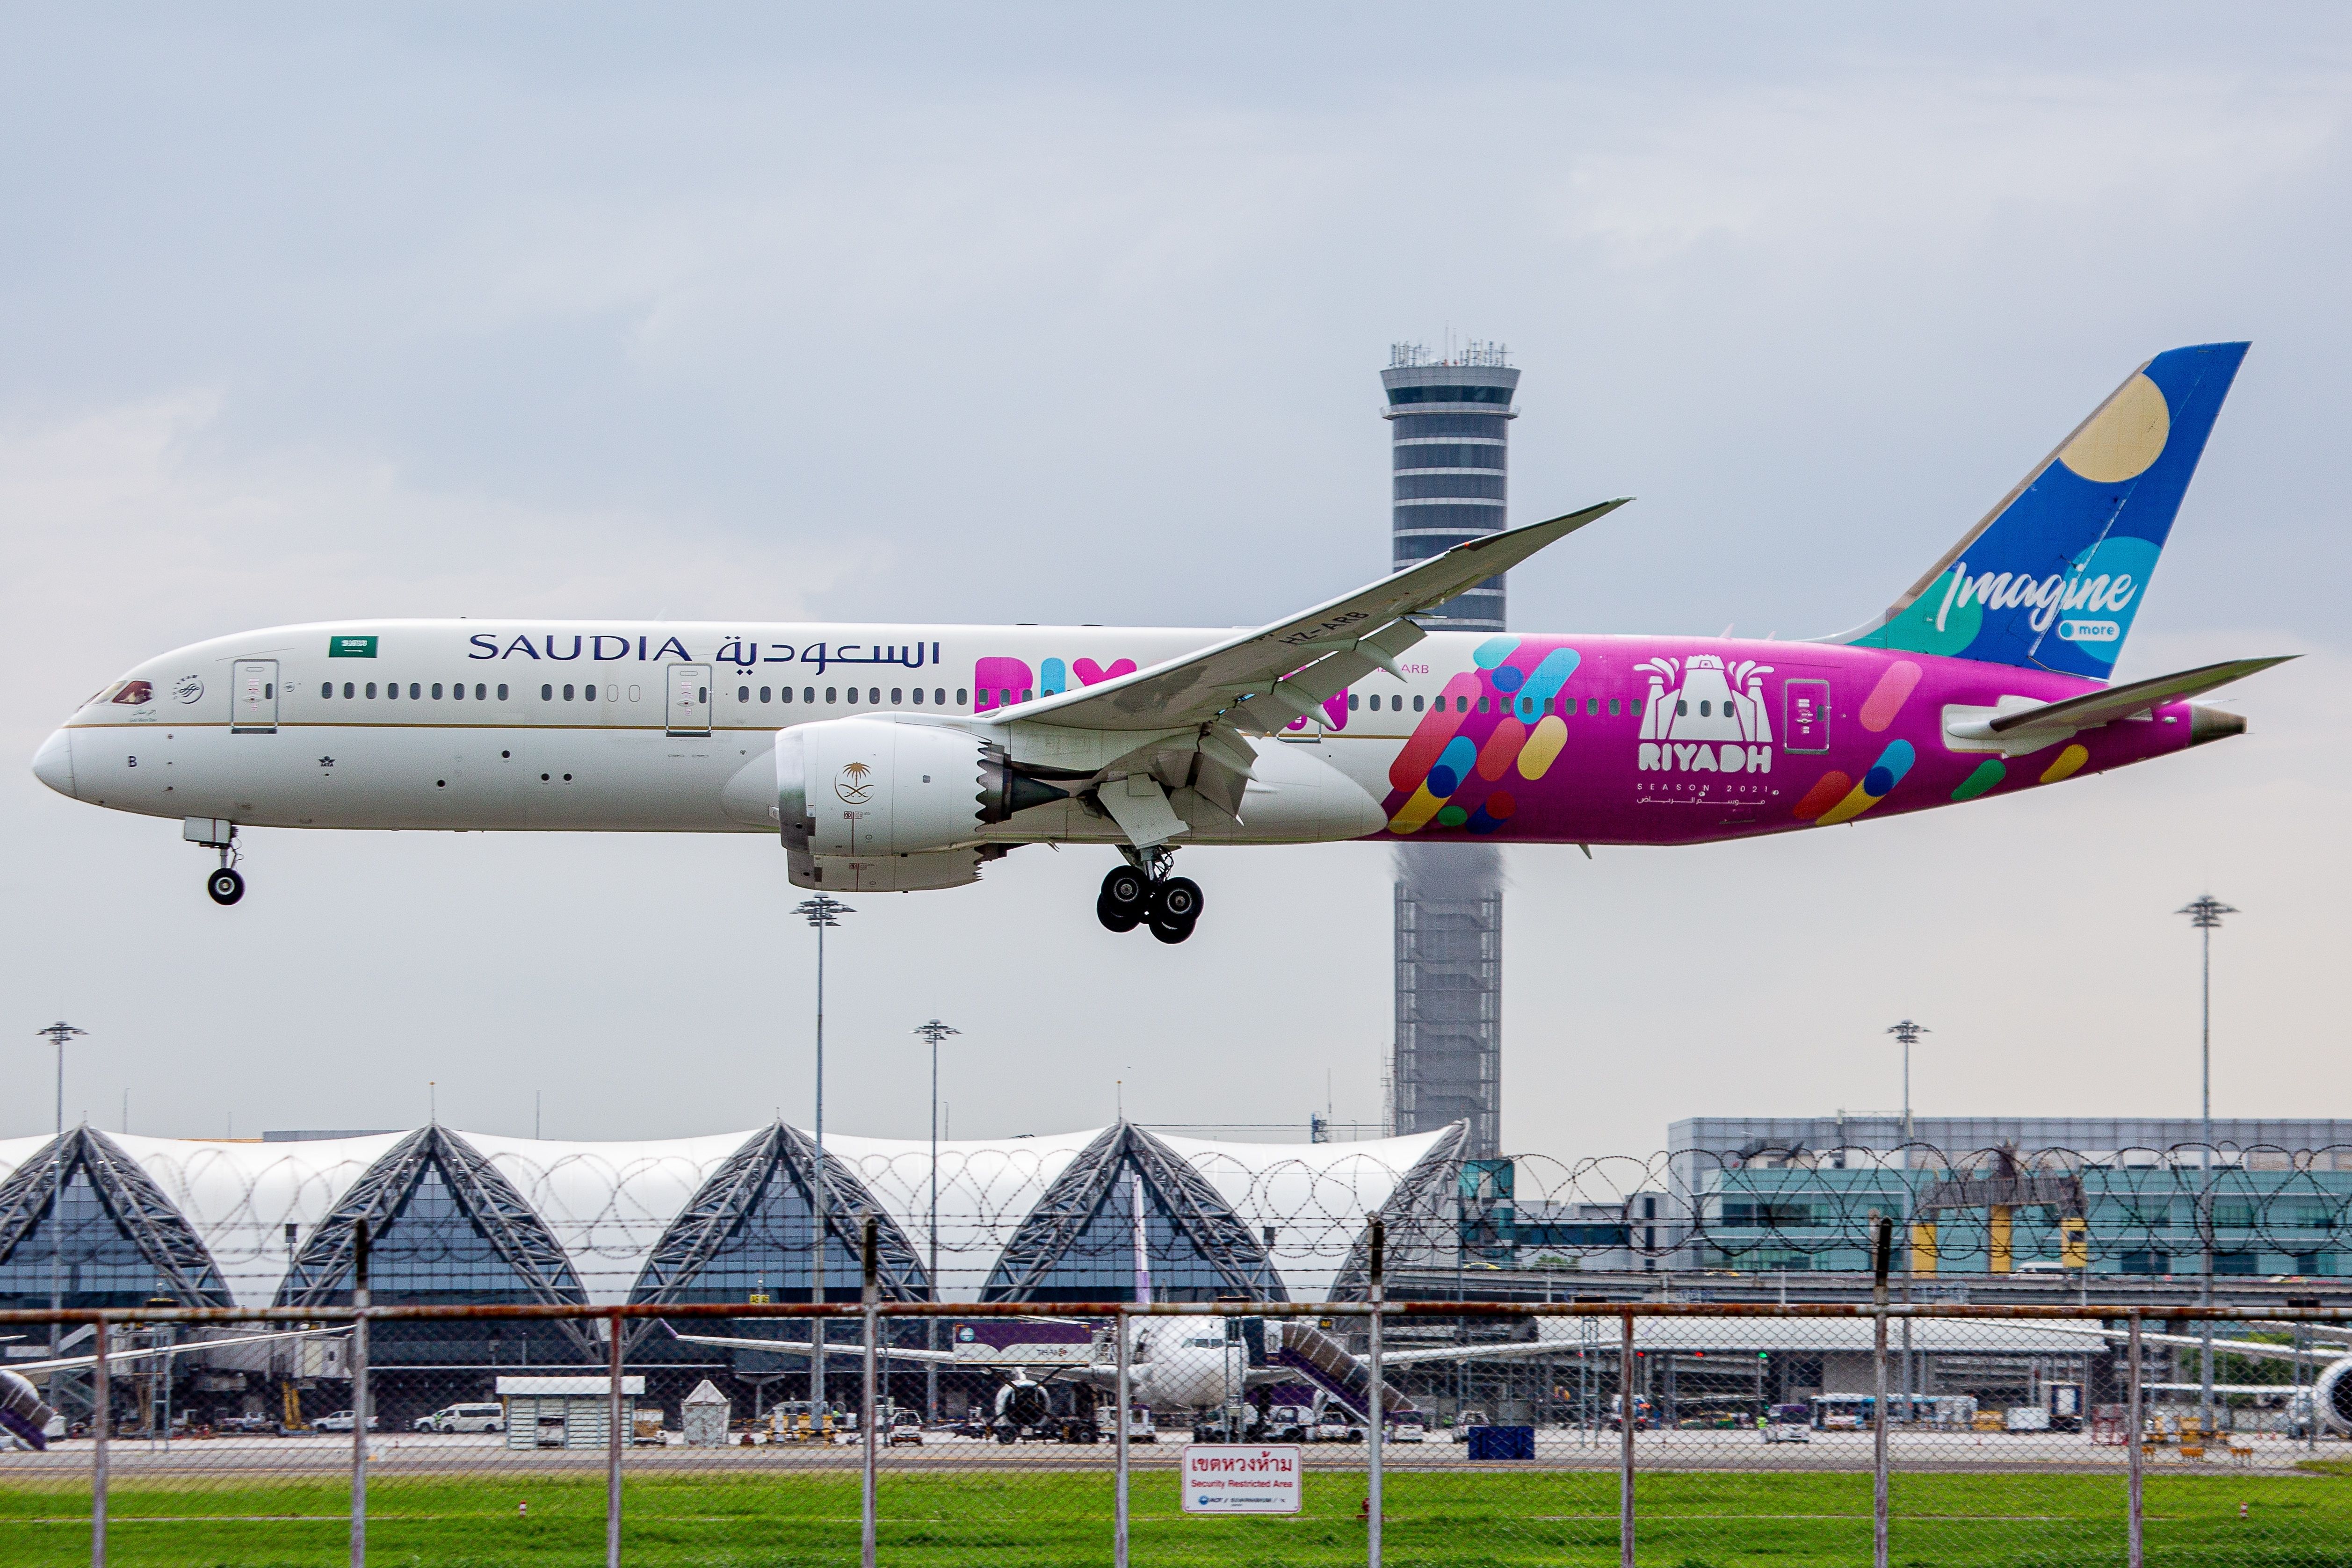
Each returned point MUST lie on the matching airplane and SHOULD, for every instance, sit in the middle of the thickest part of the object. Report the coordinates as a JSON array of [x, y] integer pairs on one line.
[[1188, 1363], [906, 757], [2330, 1388], [26, 1417]]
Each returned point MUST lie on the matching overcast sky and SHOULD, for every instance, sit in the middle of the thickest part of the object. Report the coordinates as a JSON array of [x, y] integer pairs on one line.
[[1025, 313]]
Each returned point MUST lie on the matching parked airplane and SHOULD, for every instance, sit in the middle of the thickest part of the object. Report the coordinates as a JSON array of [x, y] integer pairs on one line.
[[1173, 1362], [2330, 1362], [907, 757]]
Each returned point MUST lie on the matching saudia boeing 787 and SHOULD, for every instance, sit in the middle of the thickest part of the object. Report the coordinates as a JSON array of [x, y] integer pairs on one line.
[[906, 757]]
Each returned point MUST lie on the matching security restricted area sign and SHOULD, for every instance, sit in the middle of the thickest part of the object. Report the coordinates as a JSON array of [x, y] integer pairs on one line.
[[1241, 1478]]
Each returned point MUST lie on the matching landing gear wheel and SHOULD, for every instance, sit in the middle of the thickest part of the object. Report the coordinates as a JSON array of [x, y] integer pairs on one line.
[[1129, 892], [1175, 901], [1171, 934], [1113, 918], [225, 885]]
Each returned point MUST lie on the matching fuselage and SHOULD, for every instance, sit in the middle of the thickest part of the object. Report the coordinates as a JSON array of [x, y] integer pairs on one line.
[[621, 726]]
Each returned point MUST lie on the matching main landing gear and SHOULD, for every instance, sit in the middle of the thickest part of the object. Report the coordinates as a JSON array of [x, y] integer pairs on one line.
[[1141, 893], [225, 885]]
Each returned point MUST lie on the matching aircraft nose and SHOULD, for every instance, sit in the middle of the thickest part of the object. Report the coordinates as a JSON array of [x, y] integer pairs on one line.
[[53, 764]]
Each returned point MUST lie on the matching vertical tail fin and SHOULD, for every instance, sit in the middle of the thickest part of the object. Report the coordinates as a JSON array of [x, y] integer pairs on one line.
[[2053, 576]]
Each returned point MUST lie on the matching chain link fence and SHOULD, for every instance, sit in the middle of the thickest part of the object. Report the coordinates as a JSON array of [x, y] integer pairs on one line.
[[1414, 1431]]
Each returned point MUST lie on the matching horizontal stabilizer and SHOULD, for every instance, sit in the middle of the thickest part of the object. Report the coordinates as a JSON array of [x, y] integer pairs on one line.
[[2095, 708]]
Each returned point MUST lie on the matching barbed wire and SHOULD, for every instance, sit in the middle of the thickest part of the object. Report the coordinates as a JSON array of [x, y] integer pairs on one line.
[[2260, 1209]]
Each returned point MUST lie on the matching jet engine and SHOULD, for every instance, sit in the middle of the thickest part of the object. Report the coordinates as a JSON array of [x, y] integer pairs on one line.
[[860, 787], [2332, 1396]]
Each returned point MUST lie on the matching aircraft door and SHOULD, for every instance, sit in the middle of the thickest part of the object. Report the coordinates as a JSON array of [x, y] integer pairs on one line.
[[253, 697], [1808, 715], [690, 699]]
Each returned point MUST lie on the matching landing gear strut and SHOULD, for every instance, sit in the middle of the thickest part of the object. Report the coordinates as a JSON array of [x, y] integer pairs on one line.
[[1142, 892], [224, 884]]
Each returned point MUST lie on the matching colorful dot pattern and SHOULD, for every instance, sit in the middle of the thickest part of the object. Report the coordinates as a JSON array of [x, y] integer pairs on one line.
[[1456, 768]]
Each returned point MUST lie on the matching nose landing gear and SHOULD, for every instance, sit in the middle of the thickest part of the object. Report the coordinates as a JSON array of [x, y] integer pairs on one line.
[[225, 886], [1142, 892]]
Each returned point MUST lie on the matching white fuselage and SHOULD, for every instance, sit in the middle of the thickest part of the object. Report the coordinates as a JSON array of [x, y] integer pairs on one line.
[[623, 726]]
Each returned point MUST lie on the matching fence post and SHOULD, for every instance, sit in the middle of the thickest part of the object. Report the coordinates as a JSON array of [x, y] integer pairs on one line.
[[2132, 1420], [612, 1445], [101, 1392], [359, 1354], [1883, 1249], [1375, 1291], [1119, 1451], [1625, 1421], [872, 1298]]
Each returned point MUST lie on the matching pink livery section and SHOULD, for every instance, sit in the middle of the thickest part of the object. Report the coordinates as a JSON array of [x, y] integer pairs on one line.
[[1643, 740]]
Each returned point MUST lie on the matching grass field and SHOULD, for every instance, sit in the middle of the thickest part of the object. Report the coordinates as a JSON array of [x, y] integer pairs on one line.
[[1043, 1520]]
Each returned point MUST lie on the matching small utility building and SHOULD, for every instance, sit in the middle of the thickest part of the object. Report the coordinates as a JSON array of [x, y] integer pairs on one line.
[[566, 1412]]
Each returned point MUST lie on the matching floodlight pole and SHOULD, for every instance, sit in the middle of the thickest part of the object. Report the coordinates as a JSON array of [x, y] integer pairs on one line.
[[1908, 1033], [2205, 917], [57, 1034], [934, 1032], [821, 912]]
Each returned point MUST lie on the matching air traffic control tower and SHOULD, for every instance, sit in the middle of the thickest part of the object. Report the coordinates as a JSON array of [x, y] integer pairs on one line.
[[1448, 422]]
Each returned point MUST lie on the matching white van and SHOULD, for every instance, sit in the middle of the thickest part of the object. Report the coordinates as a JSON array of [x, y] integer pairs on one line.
[[480, 1418]]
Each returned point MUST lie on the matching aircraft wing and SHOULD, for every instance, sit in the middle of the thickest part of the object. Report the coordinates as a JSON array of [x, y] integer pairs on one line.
[[114, 1357], [1472, 1352], [1262, 680], [801, 1347], [2335, 1352], [2094, 709]]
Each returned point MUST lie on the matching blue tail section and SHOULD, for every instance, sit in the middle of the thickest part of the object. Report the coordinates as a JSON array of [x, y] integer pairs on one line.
[[2051, 578]]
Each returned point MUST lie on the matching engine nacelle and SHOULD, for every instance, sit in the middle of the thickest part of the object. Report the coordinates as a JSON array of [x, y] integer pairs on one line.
[[2333, 1396], [862, 787]]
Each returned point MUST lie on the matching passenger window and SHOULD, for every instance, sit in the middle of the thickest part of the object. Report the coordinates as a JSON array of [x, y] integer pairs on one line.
[[960, 697], [853, 695], [437, 691], [456, 691], [1593, 706], [833, 694], [1416, 705], [938, 697], [502, 691], [390, 690], [1705, 708], [327, 689], [919, 697], [783, 693], [743, 695], [567, 694], [347, 689], [1352, 701], [478, 691], [547, 694], [1681, 708], [1486, 705], [763, 696], [1633, 705], [1461, 705], [702, 695], [1024, 695], [897, 695], [412, 690], [371, 691]]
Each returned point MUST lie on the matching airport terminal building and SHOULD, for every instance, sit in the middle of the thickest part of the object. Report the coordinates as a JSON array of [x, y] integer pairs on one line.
[[458, 1218]]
